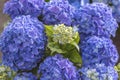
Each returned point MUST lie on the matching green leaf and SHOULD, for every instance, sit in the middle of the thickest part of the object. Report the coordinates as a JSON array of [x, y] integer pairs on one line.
[[54, 47], [116, 68], [49, 30], [76, 45], [75, 57], [77, 38], [67, 47]]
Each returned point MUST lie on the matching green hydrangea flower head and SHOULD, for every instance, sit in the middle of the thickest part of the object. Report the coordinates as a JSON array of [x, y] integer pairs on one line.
[[63, 34]]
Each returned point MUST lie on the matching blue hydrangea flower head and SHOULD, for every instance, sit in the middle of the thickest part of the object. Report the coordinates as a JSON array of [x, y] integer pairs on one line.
[[57, 12], [115, 5], [98, 50], [23, 7], [57, 68], [96, 19], [25, 76], [23, 43], [98, 72]]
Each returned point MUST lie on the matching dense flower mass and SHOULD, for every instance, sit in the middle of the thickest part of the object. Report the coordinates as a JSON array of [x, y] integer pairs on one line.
[[58, 12], [61, 31], [98, 50], [79, 30], [57, 68], [23, 43], [96, 19], [23, 7], [98, 72], [115, 5], [25, 76]]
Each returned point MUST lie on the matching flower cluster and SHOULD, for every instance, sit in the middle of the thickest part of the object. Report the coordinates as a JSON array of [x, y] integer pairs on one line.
[[61, 31], [57, 68], [96, 26], [96, 19], [23, 43], [98, 72], [98, 50], [58, 12], [25, 76], [23, 7], [115, 5]]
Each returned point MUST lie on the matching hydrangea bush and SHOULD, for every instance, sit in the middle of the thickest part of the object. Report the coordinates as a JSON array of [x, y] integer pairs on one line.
[[59, 40]]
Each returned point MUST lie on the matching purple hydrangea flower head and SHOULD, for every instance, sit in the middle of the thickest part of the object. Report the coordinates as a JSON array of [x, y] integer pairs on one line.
[[98, 72], [98, 50], [57, 12], [57, 68], [23, 7], [23, 43], [96, 19], [25, 76]]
